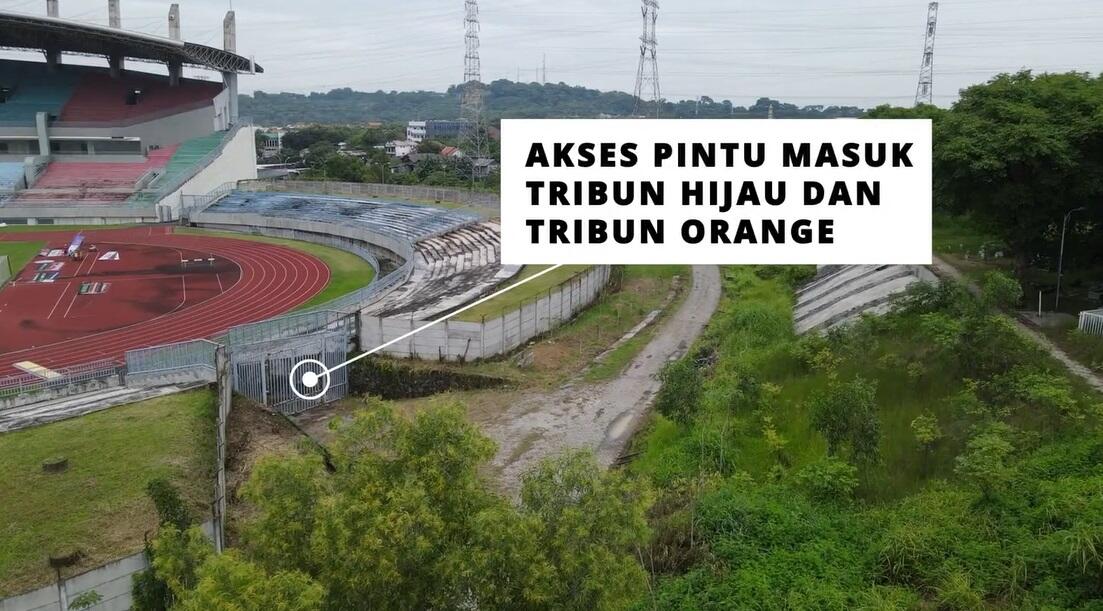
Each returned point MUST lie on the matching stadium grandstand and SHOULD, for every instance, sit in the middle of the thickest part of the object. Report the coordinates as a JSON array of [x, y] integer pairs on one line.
[[437, 260], [101, 144]]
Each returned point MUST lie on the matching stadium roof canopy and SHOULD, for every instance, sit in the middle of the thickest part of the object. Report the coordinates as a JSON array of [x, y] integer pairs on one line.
[[23, 32]]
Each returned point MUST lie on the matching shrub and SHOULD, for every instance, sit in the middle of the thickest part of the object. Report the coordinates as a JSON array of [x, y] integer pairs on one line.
[[846, 415], [680, 395], [829, 480], [170, 507]]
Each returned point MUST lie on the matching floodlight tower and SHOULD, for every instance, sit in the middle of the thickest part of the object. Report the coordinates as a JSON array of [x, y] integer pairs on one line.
[[471, 102], [924, 94], [647, 75]]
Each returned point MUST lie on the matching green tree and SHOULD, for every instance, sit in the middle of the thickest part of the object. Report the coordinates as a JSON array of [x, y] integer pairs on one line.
[[591, 525], [680, 394], [1000, 291], [985, 462], [846, 415], [926, 431], [403, 519], [228, 582]]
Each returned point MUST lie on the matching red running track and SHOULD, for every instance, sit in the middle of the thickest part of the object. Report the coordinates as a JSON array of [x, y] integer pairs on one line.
[[266, 280]]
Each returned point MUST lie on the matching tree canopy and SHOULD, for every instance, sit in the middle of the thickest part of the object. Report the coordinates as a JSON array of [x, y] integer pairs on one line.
[[404, 520]]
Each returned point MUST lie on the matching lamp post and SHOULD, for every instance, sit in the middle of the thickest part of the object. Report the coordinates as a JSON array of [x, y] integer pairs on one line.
[[1061, 257]]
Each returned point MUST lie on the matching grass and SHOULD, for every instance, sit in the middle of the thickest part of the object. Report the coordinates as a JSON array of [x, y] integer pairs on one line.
[[513, 299], [99, 506], [755, 344], [19, 254], [347, 272]]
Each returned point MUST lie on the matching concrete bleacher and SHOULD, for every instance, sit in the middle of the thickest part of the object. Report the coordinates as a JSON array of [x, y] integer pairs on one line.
[[11, 177], [455, 258], [183, 161], [450, 270], [91, 181], [407, 221], [99, 98], [33, 90], [840, 294]]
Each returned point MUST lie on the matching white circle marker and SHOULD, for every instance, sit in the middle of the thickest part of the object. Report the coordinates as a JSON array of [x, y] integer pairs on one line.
[[310, 379]]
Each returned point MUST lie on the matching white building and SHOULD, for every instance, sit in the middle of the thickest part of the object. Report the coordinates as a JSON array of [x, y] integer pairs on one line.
[[415, 131], [400, 148]]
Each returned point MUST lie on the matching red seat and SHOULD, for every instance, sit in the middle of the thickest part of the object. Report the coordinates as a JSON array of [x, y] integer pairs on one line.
[[100, 98]]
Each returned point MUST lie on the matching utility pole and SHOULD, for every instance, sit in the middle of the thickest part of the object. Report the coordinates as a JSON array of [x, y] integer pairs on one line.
[[471, 106], [1061, 257], [544, 70], [924, 94], [647, 75]]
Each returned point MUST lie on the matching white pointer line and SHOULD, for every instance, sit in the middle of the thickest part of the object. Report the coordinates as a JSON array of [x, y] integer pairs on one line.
[[441, 319]]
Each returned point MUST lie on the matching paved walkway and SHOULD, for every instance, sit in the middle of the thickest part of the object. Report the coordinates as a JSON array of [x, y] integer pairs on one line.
[[600, 416], [944, 269]]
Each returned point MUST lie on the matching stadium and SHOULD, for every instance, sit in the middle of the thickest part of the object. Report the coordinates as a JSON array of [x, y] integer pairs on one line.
[[126, 195]]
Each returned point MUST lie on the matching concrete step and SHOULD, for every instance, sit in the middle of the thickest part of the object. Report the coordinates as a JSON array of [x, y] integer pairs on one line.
[[45, 412]]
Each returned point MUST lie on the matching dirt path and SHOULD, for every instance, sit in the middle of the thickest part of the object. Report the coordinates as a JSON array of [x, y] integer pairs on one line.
[[942, 268], [600, 416]]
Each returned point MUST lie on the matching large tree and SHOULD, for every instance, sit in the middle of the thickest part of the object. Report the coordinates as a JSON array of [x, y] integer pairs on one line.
[[1017, 153], [403, 519]]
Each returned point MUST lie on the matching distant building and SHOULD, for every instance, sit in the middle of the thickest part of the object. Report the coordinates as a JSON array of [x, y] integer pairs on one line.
[[400, 148], [271, 143], [419, 131], [485, 166], [451, 151]]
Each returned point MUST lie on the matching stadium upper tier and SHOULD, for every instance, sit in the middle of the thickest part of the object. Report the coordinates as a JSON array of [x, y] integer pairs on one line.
[[100, 98], [402, 220], [32, 90], [81, 94]]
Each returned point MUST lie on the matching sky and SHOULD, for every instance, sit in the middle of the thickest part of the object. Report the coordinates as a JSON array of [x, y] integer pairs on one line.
[[845, 52]]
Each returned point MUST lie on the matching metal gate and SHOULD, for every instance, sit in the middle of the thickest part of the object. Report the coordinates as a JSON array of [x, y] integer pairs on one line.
[[262, 371]]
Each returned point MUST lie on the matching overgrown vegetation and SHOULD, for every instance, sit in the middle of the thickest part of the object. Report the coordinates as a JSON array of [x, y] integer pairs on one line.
[[403, 520], [929, 458], [98, 506]]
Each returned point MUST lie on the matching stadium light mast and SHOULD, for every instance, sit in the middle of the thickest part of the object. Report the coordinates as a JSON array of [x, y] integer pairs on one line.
[[647, 75], [924, 94], [471, 102]]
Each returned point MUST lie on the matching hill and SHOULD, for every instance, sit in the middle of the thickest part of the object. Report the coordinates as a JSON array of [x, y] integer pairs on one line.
[[504, 99]]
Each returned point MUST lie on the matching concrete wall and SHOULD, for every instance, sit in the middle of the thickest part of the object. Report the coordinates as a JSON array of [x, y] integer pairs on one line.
[[111, 581], [76, 215], [238, 161], [459, 340]]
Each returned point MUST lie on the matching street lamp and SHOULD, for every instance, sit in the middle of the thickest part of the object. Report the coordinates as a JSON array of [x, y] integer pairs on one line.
[[1061, 257]]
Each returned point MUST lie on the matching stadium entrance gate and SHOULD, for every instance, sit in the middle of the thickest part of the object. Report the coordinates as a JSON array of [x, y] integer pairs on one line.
[[261, 371]]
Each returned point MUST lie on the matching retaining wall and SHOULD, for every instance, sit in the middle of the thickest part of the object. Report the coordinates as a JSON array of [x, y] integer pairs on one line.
[[463, 341], [111, 581]]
